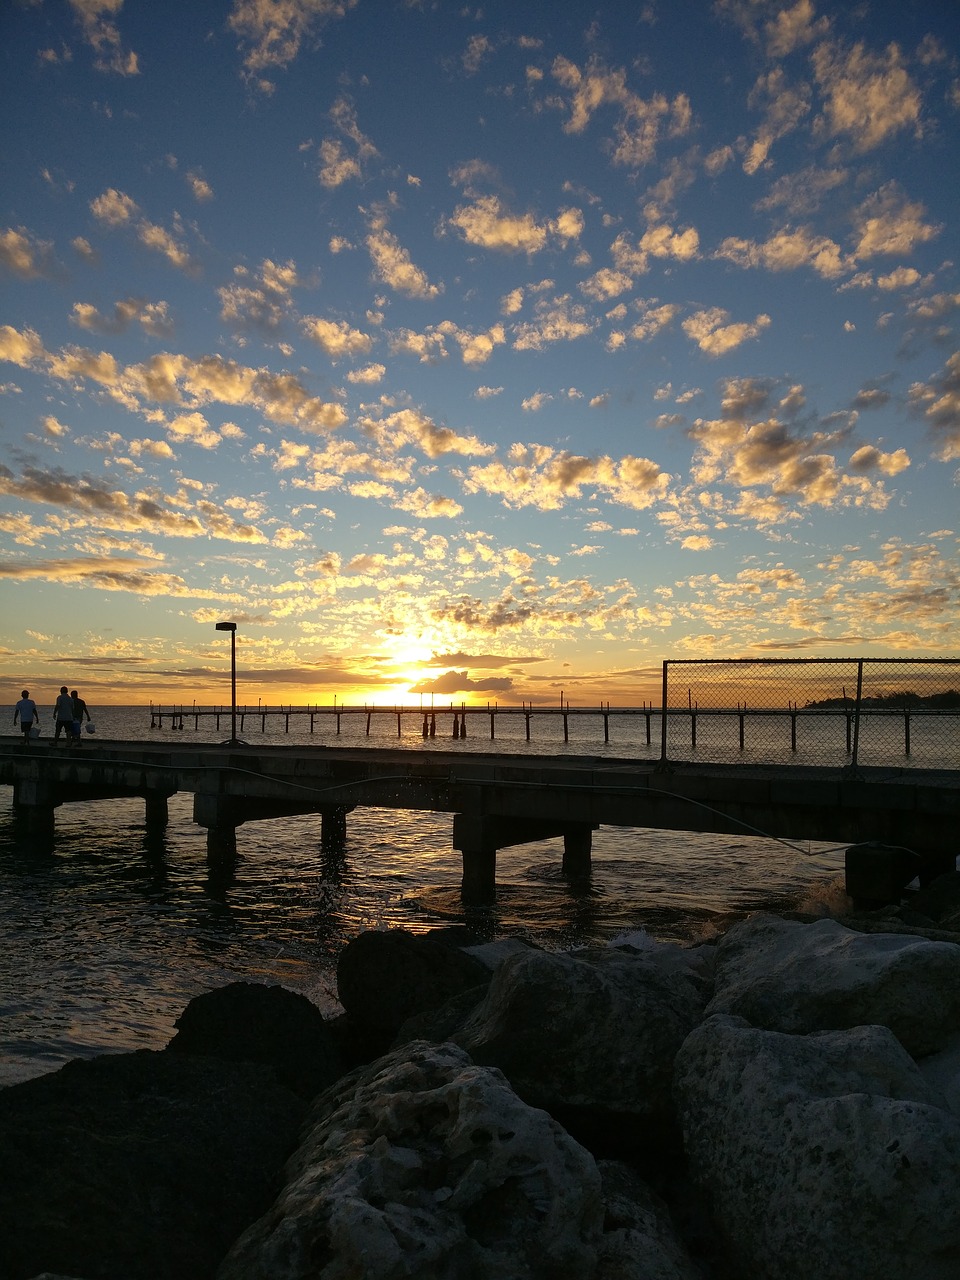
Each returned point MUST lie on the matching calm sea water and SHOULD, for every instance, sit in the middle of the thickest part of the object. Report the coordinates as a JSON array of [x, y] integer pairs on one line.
[[108, 934]]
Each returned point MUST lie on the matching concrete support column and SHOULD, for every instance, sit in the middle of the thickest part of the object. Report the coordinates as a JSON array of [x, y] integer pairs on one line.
[[473, 836], [577, 846], [221, 844], [35, 804], [333, 827], [38, 820], [221, 816], [156, 811]]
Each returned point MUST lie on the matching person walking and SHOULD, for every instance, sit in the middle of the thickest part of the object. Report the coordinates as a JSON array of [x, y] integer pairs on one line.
[[26, 712], [63, 714], [79, 711]]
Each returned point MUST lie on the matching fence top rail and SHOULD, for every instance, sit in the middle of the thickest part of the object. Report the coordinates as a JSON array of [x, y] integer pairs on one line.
[[783, 662]]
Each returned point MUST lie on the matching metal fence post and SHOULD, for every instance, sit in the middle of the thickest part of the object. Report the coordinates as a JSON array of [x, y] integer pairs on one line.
[[663, 715], [856, 715]]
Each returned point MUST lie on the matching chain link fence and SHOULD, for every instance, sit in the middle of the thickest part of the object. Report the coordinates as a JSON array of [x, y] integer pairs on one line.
[[826, 711]]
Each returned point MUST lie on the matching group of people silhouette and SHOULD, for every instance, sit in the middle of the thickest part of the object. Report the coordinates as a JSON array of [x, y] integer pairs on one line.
[[69, 712]]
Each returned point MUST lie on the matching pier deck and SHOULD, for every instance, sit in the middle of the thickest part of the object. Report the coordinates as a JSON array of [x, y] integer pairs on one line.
[[497, 799]]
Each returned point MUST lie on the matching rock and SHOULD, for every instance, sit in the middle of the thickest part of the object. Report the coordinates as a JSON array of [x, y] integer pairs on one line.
[[639, 1240], [799, 978], [442, 1023], [386, 976], [493, 954], [693, 964], [941, 1071], [425, 1164], [250, 1022], [142, 1165], [590, 1037], [825, 1155]]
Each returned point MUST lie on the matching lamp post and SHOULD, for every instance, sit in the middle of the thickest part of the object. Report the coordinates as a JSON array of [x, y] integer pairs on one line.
[[232, 628]]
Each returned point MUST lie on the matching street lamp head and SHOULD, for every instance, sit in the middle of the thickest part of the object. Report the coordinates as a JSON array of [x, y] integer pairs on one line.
[[225, 626]]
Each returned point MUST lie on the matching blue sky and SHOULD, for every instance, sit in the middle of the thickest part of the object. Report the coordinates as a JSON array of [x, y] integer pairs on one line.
[[475, 350]]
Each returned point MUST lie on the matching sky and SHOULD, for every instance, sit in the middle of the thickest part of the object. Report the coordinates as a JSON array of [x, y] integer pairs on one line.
[[484, 351]]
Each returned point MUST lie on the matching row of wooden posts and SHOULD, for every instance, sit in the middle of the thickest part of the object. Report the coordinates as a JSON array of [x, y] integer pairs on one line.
[[177, 716]]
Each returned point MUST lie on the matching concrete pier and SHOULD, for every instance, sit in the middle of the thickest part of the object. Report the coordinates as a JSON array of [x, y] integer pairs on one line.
[[497, 800]]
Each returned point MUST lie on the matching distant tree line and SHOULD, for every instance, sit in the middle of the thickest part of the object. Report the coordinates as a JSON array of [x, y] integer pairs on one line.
[[903, 701]]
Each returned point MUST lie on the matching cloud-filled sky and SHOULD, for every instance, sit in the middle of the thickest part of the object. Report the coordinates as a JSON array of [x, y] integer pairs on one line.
[[483, 350]]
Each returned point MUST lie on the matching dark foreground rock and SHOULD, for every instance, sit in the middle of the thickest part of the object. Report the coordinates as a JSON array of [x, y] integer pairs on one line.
[[250, 1022], [142, 1166], [386, 976]]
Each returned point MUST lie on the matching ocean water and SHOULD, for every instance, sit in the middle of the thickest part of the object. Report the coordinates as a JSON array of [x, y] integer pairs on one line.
[[109, 932]]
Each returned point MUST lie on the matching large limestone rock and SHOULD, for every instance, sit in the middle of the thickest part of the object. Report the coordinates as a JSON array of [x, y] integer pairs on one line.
[[385, 976], [252, 1022], [591, 1038], [142, 1165], [639, 1241], [424, 1164], [825, 1155], [786, 976], [442, 1022]]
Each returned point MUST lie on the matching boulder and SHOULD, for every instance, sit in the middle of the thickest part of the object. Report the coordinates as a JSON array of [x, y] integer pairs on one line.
[[141, 1165], [785, 976], [591, 1038], [445, 1020], [386, 976], [425, 1164], [442, 1023], [639, 1240], [824, 1155], [251, 1022], [942, 1073], [940, 900], [493, 954]]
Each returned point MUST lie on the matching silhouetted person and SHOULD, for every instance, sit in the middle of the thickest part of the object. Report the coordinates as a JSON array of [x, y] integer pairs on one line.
[[63, 714], [79, 711], [26, 712]]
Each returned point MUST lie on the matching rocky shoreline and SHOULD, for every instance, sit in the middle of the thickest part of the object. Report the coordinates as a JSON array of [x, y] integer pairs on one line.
[[781, 1102]]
